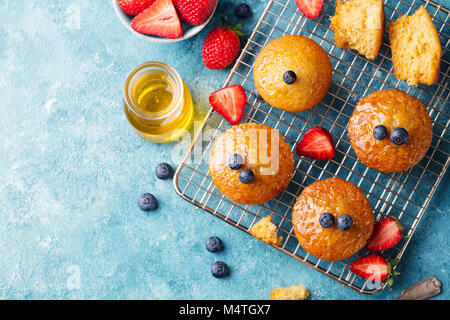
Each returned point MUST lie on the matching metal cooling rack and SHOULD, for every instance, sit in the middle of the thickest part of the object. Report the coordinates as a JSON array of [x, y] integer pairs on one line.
[[405, 195]]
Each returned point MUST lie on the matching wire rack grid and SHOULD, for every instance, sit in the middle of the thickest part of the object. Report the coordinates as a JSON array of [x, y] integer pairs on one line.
[[405, 195]]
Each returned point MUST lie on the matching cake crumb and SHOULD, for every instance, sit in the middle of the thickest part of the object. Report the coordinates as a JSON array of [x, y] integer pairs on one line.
[[266, 231], [359, 25], [293, 292], [416, 48]]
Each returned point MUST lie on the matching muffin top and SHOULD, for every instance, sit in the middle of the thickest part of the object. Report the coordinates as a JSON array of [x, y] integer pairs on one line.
[[392, 109], [263, 151], [292, 73], [337, 197]]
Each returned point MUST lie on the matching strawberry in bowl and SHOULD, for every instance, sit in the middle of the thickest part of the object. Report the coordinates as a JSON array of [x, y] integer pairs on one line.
[[195, 12], [165, 20], [134, 7]]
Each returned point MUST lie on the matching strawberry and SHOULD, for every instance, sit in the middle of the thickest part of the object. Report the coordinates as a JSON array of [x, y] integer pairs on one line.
[[310, 8], [386, 234], [317, 144], [160, 19], [371, 267], [195, 12], [221, 47], [375, 268], [134, 7], [229, 102]]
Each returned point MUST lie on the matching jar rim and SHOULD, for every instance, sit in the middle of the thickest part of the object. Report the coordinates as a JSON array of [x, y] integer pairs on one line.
[[178, 90]]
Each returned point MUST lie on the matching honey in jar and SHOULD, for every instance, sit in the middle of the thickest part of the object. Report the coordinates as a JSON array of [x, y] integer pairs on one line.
[[157, 102]]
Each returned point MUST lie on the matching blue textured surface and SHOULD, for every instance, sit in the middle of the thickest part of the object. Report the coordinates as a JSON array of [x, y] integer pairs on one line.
[[72, 170]]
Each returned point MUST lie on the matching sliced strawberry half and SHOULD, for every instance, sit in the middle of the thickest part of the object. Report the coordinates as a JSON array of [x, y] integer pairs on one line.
[[375, 268], [160, 19], [310, 8], [372, 267], [229, 102], [317, 144], [386, 234]]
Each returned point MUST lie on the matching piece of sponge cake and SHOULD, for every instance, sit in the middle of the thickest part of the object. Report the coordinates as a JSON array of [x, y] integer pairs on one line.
[[416, 48], [266, 231], [290, 293], [359, 25]]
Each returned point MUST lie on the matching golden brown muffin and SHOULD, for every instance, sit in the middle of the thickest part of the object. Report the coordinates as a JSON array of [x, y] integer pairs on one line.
[[264, 152], [306, 59], [416, 48], [359, 25], [338, 197], [392, 109], [290, 293], [266, 231]]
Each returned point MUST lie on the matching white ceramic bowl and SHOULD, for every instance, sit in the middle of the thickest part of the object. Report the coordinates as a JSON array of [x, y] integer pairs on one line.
[[188, 31]]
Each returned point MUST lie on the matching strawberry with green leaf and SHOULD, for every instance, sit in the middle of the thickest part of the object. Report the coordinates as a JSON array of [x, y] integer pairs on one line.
[[222, 46], [375, 268]]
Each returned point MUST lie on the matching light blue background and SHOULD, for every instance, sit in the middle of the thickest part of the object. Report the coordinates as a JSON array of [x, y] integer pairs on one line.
[[72, 169]]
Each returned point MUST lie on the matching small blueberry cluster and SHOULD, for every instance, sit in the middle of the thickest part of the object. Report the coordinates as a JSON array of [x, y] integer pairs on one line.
[[399, 136], [219, 269], [344, 222], [147, 201], [235, 162]]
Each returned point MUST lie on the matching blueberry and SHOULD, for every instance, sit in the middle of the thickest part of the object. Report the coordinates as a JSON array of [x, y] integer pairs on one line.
[[243, 11], [246, 176], [399, 136], [326, 220], [219, 269], [256, 94], [147, 202], [289, 77], [235, 162], [213, 244], [164, 171], [344, 222], [380, 132]]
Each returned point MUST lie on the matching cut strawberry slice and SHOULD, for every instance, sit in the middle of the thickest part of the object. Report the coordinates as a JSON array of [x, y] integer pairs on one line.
[[317, 144], [386, 234], [229, 102], [375, 268], [372, 267], [160, 19], [310, 8]]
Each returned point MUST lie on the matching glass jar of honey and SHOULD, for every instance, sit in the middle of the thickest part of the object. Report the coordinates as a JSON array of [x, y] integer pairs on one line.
[[157, 102]]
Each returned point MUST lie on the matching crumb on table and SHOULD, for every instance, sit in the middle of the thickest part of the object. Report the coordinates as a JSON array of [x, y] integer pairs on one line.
[[293, 292], [266, 231]]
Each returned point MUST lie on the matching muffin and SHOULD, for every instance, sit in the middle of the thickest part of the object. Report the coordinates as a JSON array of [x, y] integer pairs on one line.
[[349, 224], [251, 163], [266, 231], [293, 292], [292, 73], [359, 25], [390, 131], [416, 48]]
